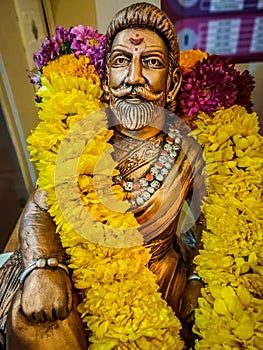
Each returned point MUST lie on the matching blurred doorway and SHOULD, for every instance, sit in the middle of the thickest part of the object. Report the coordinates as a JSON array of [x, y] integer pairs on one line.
[[13, 193]]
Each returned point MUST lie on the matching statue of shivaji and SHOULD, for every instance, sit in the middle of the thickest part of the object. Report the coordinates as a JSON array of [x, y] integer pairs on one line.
[[158, 169]]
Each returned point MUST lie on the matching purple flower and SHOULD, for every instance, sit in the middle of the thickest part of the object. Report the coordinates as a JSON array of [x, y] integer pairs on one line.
[[79, 40], [53, 47], [87, 41], [211, 84], [34, 78], [61, 35], [44, 55]]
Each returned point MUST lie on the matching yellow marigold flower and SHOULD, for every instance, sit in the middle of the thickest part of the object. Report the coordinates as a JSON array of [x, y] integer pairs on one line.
[[189, 58], [59, 105], [70, 65], [47, 136]]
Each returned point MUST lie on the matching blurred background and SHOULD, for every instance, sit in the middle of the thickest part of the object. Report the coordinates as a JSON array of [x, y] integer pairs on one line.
[[230, 27]]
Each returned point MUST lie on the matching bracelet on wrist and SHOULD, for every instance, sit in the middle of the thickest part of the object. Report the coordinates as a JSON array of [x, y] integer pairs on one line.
[[41, 264], [195, 277]]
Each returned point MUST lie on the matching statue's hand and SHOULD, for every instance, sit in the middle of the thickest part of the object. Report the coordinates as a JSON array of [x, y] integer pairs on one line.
[[189, 301], [46, 295]]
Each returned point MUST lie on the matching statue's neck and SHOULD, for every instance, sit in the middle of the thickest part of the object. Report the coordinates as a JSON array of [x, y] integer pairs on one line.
[[145, 133], [135, 155]]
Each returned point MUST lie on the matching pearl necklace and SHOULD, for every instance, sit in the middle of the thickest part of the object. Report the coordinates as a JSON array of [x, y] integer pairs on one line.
[[143, 188]]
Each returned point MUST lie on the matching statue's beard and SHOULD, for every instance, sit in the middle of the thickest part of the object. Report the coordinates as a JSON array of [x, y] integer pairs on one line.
[[135, 116]]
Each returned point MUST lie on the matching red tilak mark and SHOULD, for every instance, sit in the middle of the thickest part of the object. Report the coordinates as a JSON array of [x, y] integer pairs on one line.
[[136, 41]]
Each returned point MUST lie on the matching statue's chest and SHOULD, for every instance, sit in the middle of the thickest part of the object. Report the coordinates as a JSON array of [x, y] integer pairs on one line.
[[144, 165], [135, 157]]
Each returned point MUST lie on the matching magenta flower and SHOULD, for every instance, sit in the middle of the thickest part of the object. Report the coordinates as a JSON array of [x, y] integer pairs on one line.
[[211, 84], [245, 85], [87, 41]]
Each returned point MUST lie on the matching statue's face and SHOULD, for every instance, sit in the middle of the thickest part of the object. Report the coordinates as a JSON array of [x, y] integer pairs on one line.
[[137, 77]]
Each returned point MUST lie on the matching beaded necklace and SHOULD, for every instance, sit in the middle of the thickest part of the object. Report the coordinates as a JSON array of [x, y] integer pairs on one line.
[[142, 189]]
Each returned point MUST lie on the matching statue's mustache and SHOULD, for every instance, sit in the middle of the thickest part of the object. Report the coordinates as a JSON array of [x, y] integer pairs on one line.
[[140, 91]]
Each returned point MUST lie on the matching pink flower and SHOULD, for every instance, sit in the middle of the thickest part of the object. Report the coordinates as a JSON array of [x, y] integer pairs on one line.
[[213, 83], [87, 41]]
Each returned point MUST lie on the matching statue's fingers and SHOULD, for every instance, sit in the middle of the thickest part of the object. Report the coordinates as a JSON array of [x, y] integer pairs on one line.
[[27, 308], [187, 310], [39, 316], [62, 312], [69, 297], [189, 321], [60, 307]]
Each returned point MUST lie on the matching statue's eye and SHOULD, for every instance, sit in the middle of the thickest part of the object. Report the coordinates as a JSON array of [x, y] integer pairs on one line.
[[152, 62], [120, 61]]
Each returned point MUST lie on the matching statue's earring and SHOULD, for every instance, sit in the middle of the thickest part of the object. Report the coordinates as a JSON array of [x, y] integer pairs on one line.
[[169, 97]]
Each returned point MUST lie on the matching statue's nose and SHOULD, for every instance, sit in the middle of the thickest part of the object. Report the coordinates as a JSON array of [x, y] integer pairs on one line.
[[135, 76]]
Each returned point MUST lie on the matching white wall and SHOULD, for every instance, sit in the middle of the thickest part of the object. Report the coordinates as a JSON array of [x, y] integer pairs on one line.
[[256, 69], [69, 13], [107, 9], [17, 94]]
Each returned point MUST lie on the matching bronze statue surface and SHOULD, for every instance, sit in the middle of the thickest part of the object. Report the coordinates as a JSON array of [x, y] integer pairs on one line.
[[143, 77]]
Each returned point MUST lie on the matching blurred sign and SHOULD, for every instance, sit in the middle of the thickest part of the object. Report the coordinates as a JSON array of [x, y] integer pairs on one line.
[[228, 27]]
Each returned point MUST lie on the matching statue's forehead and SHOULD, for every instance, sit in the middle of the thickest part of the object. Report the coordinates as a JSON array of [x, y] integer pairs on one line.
[[138, 36]]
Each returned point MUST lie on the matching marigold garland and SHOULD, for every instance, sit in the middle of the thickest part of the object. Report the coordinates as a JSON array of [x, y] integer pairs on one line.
[[230, 313], [122, 314]]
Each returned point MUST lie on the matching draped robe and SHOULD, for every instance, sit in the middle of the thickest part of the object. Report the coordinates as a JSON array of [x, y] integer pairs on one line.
[[159, 217]]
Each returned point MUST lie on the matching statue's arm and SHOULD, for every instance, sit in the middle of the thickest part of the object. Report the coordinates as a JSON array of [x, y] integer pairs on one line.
[[46, 292], [195, 283], [37, 232]]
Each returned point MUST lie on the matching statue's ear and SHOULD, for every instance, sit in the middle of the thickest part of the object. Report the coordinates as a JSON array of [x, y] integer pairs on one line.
[[106, 88], [174, 84]]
